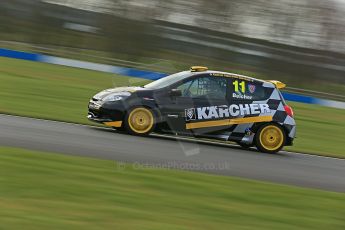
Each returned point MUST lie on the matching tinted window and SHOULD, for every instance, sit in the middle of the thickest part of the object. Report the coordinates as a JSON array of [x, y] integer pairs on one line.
[[248, 90], [205, 87]]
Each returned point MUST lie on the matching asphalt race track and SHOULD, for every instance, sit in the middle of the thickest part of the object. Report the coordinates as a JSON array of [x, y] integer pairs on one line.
[[157, 151]]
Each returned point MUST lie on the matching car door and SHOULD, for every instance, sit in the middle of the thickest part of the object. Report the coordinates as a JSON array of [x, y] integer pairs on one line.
[[199, 93]]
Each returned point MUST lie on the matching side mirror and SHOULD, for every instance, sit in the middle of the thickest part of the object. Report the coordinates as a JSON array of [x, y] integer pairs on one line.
[[175, 93]]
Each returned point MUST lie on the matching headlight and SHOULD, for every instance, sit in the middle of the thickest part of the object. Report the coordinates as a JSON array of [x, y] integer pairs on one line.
[[116, 96], [112, 97]]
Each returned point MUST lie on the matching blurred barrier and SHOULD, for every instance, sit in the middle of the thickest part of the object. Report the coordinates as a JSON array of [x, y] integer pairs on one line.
[[315, 94], [131, 72], [19, 55], [313, 100], [102, 67], [81, 64], [88, 55]]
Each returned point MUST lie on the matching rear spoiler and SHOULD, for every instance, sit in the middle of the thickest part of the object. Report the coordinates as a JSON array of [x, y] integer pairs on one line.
[[278, 84]]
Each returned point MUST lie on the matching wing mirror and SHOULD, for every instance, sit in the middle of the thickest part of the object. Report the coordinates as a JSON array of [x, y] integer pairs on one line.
[[175, 93]]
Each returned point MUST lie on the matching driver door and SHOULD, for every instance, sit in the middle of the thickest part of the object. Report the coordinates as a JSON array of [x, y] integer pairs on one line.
[[197, 92]]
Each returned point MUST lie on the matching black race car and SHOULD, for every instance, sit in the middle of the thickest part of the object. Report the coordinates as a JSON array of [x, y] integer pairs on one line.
[[201, 103]]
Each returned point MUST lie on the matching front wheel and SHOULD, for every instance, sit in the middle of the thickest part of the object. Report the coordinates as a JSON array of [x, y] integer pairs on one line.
[[270, 138], [139, 121]]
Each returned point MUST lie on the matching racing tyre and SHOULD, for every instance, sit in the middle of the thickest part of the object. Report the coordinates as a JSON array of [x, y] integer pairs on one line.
[[270, 138], [139, 121]]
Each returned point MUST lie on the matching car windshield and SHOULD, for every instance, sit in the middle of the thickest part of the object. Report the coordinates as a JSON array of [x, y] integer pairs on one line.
[[169, 80]]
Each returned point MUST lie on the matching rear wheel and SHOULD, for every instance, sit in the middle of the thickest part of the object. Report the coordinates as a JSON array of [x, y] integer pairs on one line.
[[270, 138], [139, 121]]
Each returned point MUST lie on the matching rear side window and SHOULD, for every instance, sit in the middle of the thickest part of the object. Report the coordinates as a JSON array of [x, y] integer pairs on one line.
[[244, 90]]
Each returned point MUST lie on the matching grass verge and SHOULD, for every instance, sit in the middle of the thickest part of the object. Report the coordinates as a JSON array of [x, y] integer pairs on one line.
[[52, 191], [320, 130], [62, 93]]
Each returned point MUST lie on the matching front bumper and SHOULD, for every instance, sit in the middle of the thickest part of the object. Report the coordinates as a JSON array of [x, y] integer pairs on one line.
[[93, 118], [107, 122], [110, 114]]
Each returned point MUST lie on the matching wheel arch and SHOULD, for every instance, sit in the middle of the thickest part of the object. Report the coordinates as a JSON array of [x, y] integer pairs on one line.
[[257, 126]]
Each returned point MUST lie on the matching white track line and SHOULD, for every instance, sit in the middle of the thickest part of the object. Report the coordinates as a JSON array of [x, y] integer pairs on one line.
[[167, 136]]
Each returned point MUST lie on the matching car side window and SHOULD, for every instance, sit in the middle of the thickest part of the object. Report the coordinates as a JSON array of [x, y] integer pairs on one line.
[[248, 90], [204, 87]]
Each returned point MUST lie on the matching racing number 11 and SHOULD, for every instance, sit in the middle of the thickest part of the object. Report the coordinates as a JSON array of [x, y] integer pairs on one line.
[[242, 84]]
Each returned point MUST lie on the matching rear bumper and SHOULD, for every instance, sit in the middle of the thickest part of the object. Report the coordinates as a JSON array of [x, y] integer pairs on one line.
[[290, 134], [289, 141]]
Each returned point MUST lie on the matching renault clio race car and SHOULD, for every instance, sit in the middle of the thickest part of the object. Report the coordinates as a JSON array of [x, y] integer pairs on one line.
[[203, 104]]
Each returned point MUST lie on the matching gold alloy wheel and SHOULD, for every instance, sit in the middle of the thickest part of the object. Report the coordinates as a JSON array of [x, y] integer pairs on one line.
[[271, 137], [140, 120]]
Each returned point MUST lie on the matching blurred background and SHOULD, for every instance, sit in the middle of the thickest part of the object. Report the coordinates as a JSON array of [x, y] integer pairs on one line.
[[300, 42]]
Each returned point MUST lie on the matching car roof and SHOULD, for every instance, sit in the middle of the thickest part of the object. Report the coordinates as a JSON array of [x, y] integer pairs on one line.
[[227, 74]]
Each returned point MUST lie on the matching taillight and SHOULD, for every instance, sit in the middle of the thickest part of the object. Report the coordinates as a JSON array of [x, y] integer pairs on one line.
[[288, 110]]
